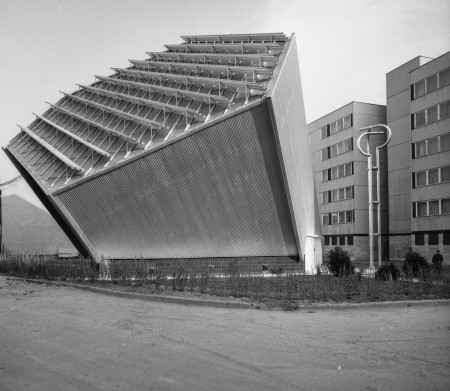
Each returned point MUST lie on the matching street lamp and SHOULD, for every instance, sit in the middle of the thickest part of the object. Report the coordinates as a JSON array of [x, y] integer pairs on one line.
[[370, 169]]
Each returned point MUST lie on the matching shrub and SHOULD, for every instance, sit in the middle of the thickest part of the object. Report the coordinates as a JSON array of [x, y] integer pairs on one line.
[[338, 262], [415, 264], [387, 272]]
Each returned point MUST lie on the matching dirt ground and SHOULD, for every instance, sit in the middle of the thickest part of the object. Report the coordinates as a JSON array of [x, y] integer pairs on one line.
[[58, 338]]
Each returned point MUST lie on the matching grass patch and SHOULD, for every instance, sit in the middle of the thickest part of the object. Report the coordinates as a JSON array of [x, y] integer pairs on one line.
[[285, 289]]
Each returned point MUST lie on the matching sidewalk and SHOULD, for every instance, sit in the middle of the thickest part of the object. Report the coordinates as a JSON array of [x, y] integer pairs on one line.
[[236, 304]]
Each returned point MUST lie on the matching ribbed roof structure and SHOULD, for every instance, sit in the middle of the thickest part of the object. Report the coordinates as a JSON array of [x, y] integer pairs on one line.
[[143, 106], [199, 151]]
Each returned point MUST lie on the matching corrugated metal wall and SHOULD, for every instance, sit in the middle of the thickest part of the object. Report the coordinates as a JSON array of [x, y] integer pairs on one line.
[[217, 193]]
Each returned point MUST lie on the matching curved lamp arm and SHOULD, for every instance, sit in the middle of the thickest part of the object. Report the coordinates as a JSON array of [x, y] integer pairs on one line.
[[388, 137]]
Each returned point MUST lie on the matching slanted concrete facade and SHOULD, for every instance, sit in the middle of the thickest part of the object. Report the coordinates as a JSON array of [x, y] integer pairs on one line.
[[340, 177]]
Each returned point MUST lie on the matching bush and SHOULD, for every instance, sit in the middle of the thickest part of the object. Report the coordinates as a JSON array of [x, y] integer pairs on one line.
[[387, 272], [415, 264], [338, 262]]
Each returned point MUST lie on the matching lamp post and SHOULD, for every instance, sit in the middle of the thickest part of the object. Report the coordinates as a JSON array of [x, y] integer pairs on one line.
[[370, 168]]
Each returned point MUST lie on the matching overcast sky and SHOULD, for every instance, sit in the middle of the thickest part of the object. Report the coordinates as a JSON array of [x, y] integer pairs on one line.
[[345, 47]]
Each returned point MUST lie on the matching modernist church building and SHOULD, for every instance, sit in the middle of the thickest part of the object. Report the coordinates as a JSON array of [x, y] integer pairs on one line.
[[196, 152]]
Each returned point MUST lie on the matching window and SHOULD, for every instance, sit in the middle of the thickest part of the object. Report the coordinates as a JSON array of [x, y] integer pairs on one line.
[[333, 128], [347, 121], [432, 83], [445, 174], [445, 206], [419, 239], [334, 172], [348, 168], [350, 240], [432, 114], [336, 126], [337, 172], [421, 148], [444, 78], [334, 218], [433, 238], [349, 192], [445, 142], [420, 119], [349, 216], [341, 217], [350, 144], [422, 209], [433, 176], [342, 240], [337, 194], [326, 240], [337, 149], [421, 178], [419, 89], [446, 238], [433, 208], [432, 145], [444, 110], [333, 195], [334, 240], [334, 150]]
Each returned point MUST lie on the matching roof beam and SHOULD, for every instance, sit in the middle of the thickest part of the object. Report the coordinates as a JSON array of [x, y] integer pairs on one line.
[[119, 113], [97, 125], [147, 102], [196, 96], [259, 72], [264, 60], [70, 163], [226, 48], [269, 37], [200, 80], [74, 136]]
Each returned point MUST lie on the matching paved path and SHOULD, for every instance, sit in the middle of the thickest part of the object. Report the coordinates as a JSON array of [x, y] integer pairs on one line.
[[55, 338]]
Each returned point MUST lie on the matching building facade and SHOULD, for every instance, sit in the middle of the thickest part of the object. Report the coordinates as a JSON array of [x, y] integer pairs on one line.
[[418, 112], [340, 176], [191, 153]]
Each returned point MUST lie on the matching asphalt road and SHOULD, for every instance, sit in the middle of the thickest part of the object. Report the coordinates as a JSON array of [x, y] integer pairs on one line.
[[56, 338]]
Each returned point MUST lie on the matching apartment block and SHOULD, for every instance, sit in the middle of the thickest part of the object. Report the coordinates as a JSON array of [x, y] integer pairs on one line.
[[418, 112], [341, 180]]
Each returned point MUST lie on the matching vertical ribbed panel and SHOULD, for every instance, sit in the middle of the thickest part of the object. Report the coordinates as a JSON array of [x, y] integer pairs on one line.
[[217, 193]]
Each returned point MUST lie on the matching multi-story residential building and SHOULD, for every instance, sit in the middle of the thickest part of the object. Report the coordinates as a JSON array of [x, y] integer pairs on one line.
[[418, 112], [340, 177]]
